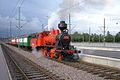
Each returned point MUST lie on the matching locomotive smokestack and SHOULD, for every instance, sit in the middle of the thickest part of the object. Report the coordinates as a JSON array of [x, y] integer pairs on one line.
[[62, 25]]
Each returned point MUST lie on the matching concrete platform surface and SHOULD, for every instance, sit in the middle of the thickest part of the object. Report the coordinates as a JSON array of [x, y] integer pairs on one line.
[[111, 52], [4, 73]]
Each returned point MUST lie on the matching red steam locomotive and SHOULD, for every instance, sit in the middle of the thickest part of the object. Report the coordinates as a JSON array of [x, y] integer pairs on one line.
[[53, 43], [56, 43]]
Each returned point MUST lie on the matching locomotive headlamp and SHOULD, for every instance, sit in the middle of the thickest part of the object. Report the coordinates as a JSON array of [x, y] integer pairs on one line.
[[65, 31]]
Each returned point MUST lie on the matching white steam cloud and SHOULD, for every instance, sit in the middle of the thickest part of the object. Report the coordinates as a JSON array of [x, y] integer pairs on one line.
[[87, 11], [36, 53]]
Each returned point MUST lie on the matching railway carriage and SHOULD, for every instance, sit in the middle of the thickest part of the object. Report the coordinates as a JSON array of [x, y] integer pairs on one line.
[[19, 41], [13, 41], [26, 40]]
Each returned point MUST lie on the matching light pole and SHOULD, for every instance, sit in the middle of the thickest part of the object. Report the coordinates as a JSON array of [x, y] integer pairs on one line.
[[104, 32], [69, 24], [89, 33], [10, 35], [99, 37], [83, 37], [42, 27], [19, 26], [113, 38], [47, 22]]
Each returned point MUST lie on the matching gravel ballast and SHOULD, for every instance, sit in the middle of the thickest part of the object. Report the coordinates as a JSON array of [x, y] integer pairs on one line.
[[61, 70]]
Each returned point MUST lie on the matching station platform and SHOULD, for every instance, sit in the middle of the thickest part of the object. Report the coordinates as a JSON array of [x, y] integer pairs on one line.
[[110, 50], [4, 72]]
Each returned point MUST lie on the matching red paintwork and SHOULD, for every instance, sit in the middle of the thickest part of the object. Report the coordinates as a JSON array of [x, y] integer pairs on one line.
[[68, 51], [38, 40], [51, 38], [44, 38]]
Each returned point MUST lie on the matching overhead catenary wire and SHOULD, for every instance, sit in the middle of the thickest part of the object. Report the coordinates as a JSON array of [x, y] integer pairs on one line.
[[12, 15], [15, 8], [19, 4]]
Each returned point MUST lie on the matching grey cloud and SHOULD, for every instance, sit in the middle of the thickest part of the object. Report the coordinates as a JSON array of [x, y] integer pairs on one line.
[[73, 6], [31, 26]]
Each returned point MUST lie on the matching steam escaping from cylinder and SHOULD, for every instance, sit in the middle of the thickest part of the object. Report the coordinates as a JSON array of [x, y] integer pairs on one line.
[[36, 53]]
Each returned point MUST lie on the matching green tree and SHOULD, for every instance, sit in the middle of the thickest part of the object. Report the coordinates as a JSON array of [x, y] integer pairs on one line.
[[96, 38], [109, 37], [117, 37], [86, 37]]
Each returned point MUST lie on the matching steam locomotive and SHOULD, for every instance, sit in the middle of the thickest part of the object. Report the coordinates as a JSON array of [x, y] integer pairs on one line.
[[54, 43]]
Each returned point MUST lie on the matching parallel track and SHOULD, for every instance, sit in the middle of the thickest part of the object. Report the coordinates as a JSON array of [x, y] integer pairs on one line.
[[23, 69], [101, 71]]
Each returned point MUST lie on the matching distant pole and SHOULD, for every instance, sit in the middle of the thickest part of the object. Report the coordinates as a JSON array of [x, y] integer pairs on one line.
[[42, 27], [83, 37], [10, 35], [69, 24], [7, 33], [104, 32], [47, 22], [114, 38], [99, 38], [19, 19], [19, 24], [89, 33]]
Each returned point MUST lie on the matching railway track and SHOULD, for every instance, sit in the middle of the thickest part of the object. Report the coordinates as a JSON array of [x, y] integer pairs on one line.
[[24, 69], [101, 71]]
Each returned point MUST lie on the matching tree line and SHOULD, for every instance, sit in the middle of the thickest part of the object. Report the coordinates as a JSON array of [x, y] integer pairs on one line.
[[85, 37]]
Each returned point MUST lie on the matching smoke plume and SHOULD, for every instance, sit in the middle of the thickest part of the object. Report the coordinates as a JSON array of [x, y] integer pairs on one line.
[[73, 7]]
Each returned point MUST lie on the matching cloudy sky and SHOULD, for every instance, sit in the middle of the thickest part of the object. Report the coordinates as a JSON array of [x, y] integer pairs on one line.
[[85, 14]]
